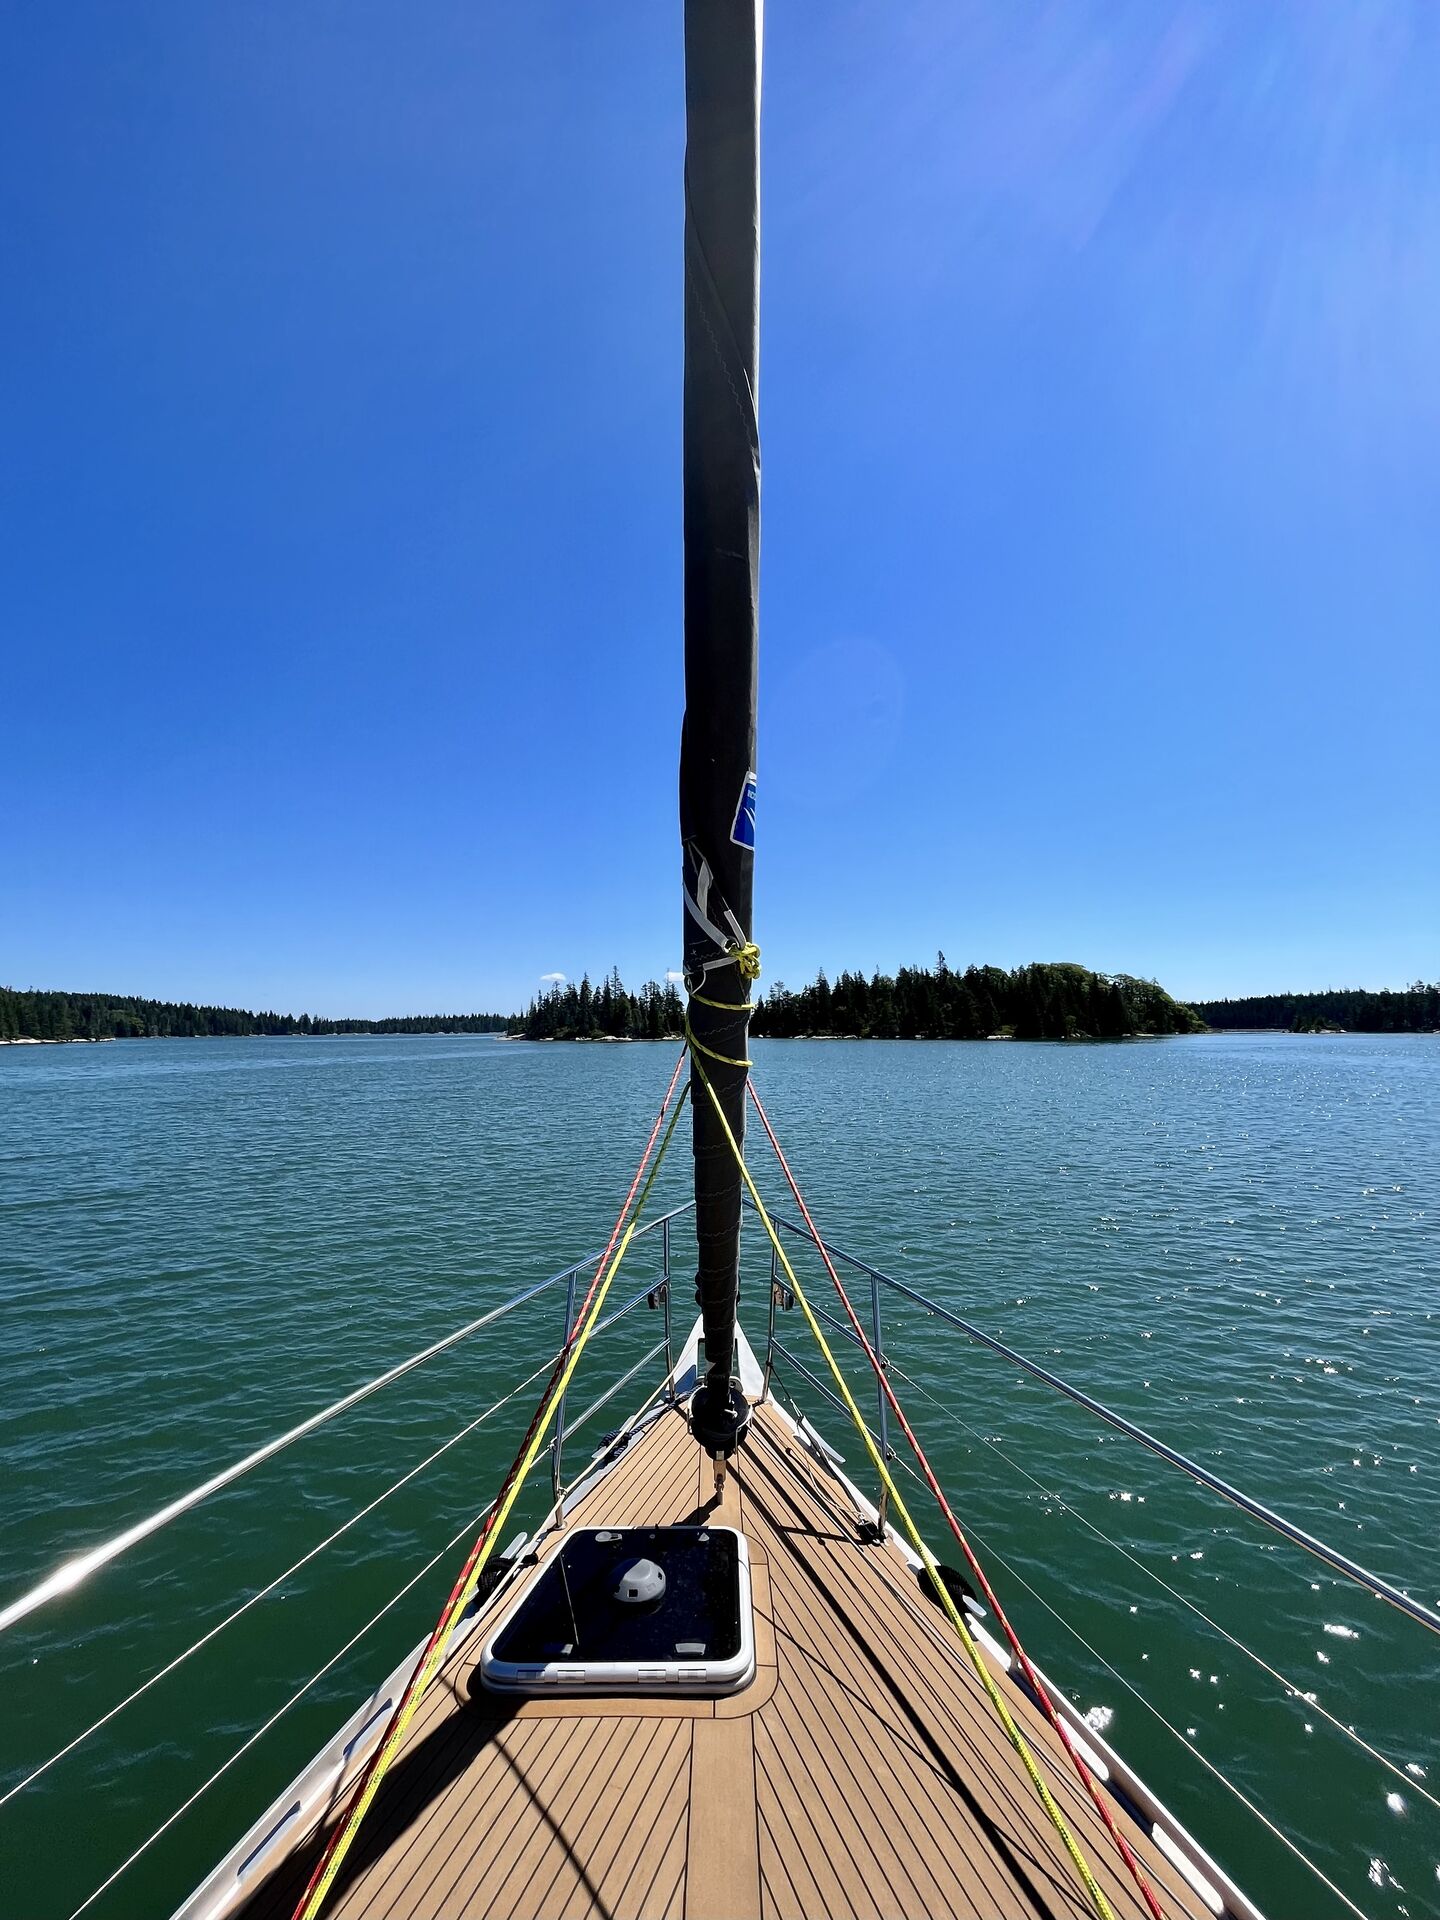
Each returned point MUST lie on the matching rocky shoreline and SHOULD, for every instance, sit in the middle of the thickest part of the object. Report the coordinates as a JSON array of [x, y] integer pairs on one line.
[[70, 1040]]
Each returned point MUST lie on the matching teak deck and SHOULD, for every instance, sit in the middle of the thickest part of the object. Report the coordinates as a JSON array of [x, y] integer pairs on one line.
[[862, 1773]]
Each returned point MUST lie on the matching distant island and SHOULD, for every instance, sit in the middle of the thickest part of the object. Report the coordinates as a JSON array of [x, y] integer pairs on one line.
[[607, 1012], [1414, 1009], [1056, 1001], [36, 1015]]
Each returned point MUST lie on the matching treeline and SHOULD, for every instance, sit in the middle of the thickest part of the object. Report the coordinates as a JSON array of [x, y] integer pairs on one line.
[[35, 1015], [606, 1012], [1043, 1002], [1055, 1001], [1414, 1009]]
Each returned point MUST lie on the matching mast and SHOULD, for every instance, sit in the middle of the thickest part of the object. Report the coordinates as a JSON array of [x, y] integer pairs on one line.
[[722, 562]]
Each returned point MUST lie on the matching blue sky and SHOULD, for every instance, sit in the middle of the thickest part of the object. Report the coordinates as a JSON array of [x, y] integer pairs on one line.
[[339, 493]]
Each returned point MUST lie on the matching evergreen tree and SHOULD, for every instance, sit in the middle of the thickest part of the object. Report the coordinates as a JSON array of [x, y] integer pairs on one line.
[[34, 1015]]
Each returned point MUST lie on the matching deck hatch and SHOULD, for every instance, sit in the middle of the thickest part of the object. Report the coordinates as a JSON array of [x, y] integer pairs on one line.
[[631, 1609]]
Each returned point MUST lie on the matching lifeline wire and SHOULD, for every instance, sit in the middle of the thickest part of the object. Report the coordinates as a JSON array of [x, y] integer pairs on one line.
[[66, 1577], [1224, 1633], [260, 1732], [430, 1660], [1257, 1812], [1017, 1739], [265, 1591], [300, 1693]]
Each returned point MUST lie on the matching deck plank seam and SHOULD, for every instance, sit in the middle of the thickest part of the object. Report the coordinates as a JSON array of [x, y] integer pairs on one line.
[[816, 1806], [512, 1759], [1060, 1775], [868, 1768], [794, 1855], [411, 1788], [644, 1905], [612, 1737], [1000, 1841], [536, 1752], [552, 1811], [668, 1757]]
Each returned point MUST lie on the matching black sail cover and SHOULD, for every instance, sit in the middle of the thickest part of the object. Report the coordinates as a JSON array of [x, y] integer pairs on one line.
[[722, 560]]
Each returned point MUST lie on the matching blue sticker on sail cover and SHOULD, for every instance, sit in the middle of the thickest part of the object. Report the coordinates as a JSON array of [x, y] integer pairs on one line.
[[743, 831]]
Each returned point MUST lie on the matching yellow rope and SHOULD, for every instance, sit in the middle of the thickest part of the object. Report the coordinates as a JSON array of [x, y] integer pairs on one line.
[[467, 1593], [977, 1659], [747, 962], [699, 1046], [747, 959]]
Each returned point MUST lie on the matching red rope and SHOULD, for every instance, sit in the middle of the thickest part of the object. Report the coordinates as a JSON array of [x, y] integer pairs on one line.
[[443, 1623], [1086, 1778]]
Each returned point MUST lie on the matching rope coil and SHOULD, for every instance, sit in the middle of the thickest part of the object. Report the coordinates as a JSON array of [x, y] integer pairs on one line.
[[747, 958]]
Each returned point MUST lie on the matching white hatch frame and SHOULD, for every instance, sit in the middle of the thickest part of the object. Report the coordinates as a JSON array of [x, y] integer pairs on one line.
[[678, 1677]]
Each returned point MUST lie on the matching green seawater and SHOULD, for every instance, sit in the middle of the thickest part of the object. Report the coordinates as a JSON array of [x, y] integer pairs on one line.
[[1235, 1240]]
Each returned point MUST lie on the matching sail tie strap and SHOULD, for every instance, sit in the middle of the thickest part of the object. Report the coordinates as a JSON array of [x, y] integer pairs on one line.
[[698, 906], [1017, 1739], [729, 941], [465, 1586], [1038, 1687], [732, 949]]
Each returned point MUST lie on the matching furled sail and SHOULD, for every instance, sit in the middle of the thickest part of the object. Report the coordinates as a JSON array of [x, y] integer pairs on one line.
[[722, 558]]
